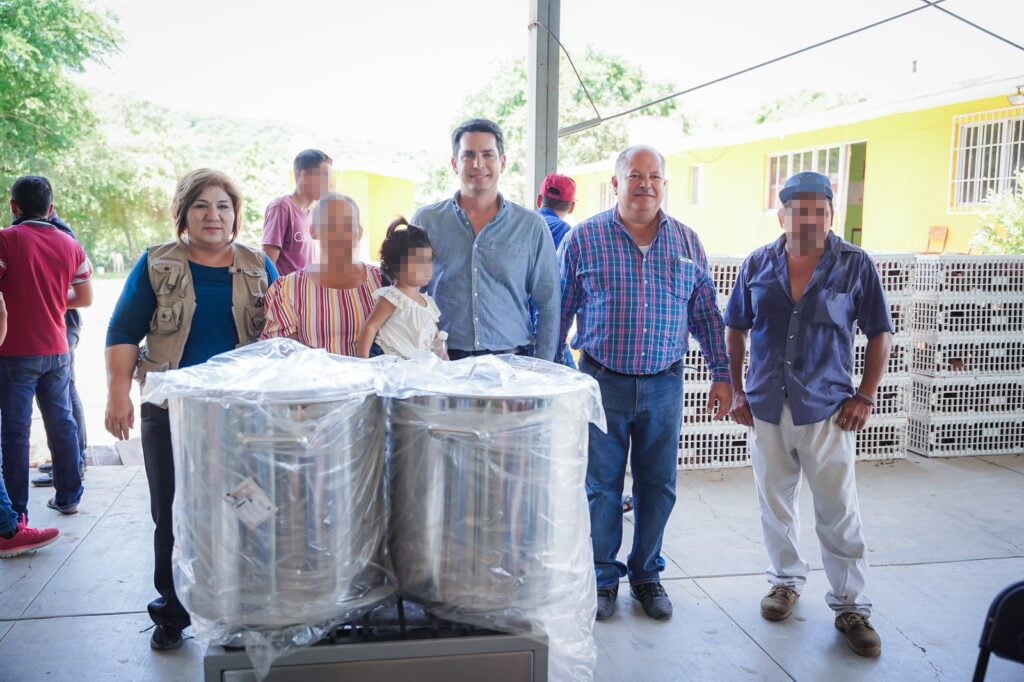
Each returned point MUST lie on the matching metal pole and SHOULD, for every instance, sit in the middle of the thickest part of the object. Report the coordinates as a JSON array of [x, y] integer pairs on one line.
[[542, 95]]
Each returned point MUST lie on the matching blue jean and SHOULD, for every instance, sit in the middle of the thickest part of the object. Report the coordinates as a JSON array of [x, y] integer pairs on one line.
[[644, 416], [77, 411], [44, 377], [8, 519]]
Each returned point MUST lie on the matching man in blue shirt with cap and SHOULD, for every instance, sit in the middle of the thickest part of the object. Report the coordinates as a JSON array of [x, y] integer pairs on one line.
[[798, 299]]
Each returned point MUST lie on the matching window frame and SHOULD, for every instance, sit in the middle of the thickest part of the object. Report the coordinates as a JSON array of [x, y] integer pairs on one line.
[[971, 147]]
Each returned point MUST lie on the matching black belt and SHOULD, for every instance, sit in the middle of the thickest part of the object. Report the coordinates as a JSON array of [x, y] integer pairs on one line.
[[587, 357], [518, 350]]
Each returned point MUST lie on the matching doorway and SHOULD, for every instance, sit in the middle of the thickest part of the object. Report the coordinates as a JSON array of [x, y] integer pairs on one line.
[[853, 223]]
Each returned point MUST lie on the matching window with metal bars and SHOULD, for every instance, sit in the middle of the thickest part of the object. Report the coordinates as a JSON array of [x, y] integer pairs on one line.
[[987, 149]]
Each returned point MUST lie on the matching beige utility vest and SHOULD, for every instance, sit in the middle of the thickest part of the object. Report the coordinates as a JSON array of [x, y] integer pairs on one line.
[[176, 303]]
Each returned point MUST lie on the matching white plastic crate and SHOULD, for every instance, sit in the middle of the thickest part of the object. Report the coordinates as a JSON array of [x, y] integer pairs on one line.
[[896, 272], [893, 399], [900, 308], [883, 438], [899, 358], [962, 274], [964, 436], [713, 447], [945, 315], [959, 396], [724, 271], [695, 369], [938, 356]]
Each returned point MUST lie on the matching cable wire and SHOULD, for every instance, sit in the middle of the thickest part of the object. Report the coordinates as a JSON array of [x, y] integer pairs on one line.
[[974, 25], [929, 4], [569, 57]]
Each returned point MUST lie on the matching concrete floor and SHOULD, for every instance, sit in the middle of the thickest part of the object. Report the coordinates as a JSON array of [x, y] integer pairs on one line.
[[945, 537]]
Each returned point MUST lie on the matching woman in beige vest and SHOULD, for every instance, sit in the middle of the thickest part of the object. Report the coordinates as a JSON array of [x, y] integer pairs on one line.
[[190, 299]]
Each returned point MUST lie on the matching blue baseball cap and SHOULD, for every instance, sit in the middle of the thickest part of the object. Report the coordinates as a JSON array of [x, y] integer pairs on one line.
[[806, 183]]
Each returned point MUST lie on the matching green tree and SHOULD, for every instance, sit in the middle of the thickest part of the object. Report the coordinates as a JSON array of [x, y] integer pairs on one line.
[[1001, 229], [114, 186], [42, 113], [613, 83]]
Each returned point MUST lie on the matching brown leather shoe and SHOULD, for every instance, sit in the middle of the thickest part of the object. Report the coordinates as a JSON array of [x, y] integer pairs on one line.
[[778, 603], [861, 637]]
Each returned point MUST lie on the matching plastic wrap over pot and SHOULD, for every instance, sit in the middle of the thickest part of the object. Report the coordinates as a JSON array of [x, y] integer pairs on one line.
[[280, 502], [489, 522]]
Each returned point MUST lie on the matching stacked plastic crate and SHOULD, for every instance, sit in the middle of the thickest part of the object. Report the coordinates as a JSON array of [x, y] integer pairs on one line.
[[968, 356], [885, 436], [705, 443]]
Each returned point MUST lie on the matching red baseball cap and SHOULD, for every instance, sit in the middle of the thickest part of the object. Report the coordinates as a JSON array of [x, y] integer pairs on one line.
[[559, 187]]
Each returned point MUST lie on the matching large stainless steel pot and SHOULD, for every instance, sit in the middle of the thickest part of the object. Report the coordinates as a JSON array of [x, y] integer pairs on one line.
[[320, 462], [483, 513]]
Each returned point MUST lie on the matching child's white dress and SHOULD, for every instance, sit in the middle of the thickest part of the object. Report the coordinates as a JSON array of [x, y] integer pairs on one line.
[[412, 328]]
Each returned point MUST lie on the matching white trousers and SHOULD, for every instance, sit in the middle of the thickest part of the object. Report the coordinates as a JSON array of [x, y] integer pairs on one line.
[[825, 454]]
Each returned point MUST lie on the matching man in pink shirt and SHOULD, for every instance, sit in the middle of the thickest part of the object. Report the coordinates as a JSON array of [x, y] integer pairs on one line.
[[43, 272], [286, 236]]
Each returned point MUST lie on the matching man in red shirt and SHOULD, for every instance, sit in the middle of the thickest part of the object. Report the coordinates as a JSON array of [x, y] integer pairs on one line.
[[43, 272]]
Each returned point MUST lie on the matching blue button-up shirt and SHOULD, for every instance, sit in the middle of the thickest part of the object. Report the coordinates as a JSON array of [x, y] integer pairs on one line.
[[803, 352], [633, 310], [484, 284]]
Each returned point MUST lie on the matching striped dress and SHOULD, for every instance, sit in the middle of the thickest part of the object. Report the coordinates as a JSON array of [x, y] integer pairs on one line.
[[317, 316]]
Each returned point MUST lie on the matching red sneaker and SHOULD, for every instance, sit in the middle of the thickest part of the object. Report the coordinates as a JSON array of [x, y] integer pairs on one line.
[[27, 539]]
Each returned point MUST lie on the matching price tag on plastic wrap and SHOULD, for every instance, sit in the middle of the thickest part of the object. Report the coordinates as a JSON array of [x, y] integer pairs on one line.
[[250, 504]]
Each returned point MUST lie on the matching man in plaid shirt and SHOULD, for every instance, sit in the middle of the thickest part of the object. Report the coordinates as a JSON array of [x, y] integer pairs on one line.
[[636, 281]]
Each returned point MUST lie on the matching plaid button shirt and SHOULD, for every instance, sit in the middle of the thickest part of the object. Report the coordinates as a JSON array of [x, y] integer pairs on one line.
[[633, 311]]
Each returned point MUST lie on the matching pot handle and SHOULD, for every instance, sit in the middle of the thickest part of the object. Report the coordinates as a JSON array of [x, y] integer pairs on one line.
[[448, 432]]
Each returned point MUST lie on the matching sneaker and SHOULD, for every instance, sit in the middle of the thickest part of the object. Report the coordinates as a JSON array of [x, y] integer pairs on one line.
[[606, 597], [45, 468], [778, 603], [66, 509], [26, 539], [166, 637], [861, 637], [654, 600], [627, 503]]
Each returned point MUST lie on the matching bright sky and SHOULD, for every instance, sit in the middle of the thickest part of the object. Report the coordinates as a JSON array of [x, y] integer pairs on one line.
[[397, 69]]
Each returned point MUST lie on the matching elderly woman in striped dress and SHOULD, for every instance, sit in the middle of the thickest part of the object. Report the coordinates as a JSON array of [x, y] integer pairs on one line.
[[325, 305]]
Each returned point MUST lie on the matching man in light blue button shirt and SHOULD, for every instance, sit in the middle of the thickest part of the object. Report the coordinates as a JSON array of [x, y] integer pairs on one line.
[[492, 258]]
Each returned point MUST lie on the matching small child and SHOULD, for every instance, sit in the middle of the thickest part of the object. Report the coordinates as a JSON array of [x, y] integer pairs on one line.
[[404, 320]]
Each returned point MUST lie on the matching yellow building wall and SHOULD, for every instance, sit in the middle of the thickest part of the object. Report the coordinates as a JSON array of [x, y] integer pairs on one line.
[[588, 194], [906, 185], [381, 198]]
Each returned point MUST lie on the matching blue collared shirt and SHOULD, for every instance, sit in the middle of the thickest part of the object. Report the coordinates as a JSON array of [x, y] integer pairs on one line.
[[633, 310], [803, 352], [485, 284], [558, 227]]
